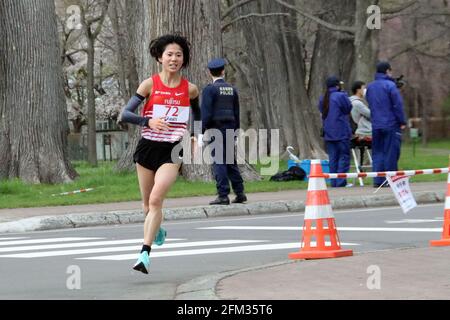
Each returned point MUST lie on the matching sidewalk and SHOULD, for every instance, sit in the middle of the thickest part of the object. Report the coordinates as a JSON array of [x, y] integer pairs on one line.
[[47, 218], [411, 273]]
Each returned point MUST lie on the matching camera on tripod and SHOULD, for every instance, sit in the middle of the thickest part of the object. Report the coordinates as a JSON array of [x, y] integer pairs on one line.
[[399, 82]]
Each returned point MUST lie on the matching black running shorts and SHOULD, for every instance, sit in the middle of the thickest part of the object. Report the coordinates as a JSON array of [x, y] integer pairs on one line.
[[153, 154]]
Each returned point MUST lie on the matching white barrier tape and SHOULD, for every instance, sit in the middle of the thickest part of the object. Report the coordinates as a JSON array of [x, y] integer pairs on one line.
[[72, 192], [384, 174]]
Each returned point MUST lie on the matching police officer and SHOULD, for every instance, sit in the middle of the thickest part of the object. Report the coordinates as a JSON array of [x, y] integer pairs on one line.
[[220, 110], [388, 119]]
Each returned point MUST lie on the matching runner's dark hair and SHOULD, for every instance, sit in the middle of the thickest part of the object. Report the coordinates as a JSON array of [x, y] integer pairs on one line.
[[158, 45]]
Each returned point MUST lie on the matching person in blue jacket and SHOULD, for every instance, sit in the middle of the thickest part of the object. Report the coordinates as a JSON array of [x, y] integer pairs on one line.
[[335, 107], [220, 110], [388, 120]]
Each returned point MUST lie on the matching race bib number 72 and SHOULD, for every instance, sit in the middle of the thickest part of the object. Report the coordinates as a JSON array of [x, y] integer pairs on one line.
[[176, 114]]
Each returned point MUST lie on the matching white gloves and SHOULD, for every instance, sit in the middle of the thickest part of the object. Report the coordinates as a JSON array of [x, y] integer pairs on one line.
[[200, 140]]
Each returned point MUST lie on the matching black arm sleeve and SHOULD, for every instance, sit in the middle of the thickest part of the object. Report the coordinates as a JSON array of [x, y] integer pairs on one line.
[[196, 109], [128, 115]]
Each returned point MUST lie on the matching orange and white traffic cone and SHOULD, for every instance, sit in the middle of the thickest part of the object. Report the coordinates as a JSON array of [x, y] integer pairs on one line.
[[445, 241], [318, 211]]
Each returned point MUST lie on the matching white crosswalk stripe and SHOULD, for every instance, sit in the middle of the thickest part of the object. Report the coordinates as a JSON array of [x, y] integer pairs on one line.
[[134, 248], [264, 247], [94, 248], [25, 242], [76, 245], [12, 238]]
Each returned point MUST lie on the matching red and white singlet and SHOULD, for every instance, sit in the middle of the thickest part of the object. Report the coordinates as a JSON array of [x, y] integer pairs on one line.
[[171, 103]]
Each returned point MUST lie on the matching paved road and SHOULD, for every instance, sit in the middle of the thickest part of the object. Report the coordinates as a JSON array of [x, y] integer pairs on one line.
[[42, 265]]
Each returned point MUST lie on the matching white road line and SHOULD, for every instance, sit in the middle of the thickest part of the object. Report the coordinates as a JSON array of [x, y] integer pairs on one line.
[[125, 248], [276, 246], [77, 245], [357, 210], [390, 229], [47, 240], [338, 228], [251, 228], [16, 238], [413, 220], [293, 214]]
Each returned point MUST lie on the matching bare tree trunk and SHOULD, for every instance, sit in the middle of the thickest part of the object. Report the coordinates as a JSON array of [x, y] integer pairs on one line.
[[364, 43], [92, 135], [304, 115], [121, 57], [33, 115], [140, 67], [279, 98], [424, 120], [333, 51], [125, 162], [92, 27], [423, 99]]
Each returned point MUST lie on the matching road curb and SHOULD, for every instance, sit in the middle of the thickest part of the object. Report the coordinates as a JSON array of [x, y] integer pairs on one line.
[[90, 219], [204, 287]]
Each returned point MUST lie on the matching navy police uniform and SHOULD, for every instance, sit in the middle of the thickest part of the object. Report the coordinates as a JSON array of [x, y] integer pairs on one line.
[[387, 115], [220, 110], [337, 130]]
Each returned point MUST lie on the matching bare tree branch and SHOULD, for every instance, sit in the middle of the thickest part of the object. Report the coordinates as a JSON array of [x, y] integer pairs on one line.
[[87, 23], [93, 20], [399, 8], [423, 15], [75, 51], [415, 45], [107, 45], [224, 26], [330, 26], [102, 17], [234, 6], [433, 55]]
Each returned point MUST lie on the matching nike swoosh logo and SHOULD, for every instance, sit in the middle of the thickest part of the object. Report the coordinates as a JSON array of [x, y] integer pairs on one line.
[[178, 94]]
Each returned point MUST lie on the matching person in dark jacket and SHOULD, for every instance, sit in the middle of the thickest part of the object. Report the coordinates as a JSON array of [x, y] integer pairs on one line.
[[335, 107], [220, 110], [388, 120]]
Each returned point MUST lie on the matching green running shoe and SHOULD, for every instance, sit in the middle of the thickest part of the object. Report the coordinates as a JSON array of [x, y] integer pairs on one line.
[[142, 263], [160, 236]]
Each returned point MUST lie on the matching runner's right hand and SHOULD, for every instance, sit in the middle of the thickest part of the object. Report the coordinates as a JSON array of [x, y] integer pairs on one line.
[[158, 124]]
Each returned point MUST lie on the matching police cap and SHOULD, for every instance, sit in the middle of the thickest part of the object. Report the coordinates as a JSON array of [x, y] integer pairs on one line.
[[216, 63]]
